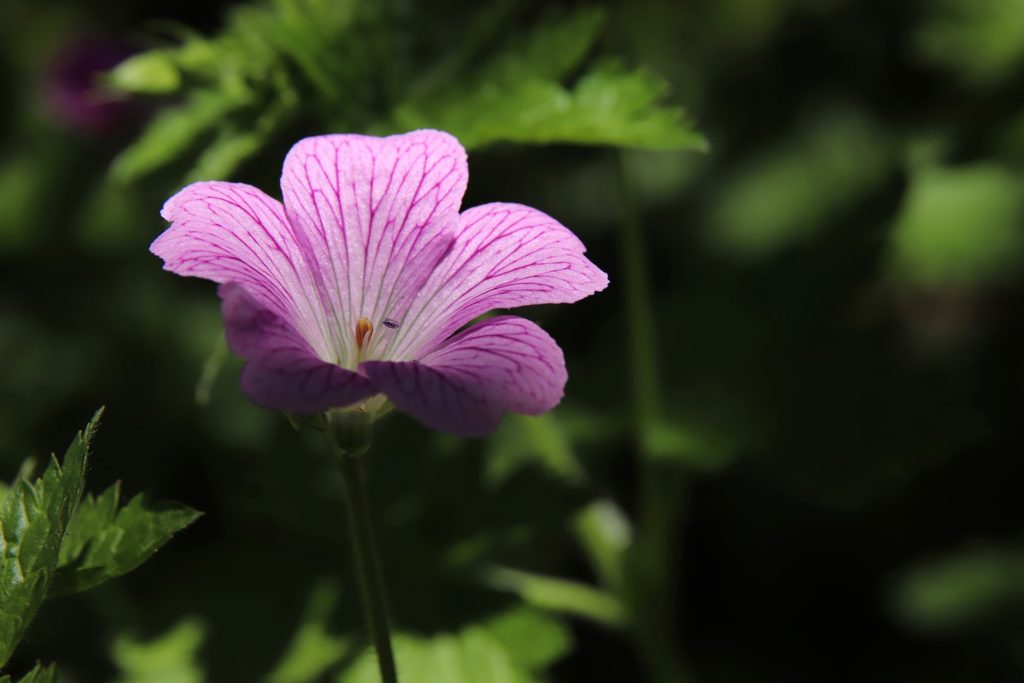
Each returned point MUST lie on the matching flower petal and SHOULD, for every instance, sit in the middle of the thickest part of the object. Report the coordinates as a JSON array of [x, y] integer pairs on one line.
[[505, 255], [503, 363], [380, 211], [282, 372], [230, 232]]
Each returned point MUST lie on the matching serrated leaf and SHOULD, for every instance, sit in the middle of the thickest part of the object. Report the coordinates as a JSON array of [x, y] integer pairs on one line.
[[610, 105], [34, 517], [104, 541]]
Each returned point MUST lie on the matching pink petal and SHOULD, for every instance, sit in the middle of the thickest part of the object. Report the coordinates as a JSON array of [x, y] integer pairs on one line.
[[282, 372], [505, 255], [378, 213], [503, 363], [230, 232]]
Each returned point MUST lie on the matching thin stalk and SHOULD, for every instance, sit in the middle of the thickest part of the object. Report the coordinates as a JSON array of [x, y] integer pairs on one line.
[[648, 570], [367, 566]]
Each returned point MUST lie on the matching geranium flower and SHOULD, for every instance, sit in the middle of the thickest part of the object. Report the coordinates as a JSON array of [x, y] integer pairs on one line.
[[357, 286]]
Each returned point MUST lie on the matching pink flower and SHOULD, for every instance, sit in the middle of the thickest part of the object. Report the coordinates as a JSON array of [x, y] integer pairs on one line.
[[356, 287]]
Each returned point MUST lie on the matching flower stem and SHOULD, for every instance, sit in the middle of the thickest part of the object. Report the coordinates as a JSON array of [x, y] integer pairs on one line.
[[661, 488], [367, 566]]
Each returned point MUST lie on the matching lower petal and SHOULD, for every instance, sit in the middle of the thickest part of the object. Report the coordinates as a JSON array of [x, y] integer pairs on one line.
[[503, 363], [282, 372]]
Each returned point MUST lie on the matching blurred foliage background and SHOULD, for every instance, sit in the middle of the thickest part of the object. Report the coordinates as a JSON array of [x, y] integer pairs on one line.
[[790, 446]]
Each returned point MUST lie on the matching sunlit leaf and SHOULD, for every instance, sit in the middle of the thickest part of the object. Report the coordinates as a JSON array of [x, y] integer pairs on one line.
[[959, 226], [476, 653], [170, 658], [33, 519], [105, 539], [313, 650]]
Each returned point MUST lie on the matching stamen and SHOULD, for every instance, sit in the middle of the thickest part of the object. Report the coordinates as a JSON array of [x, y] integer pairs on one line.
[[391, 324], [364, 330]]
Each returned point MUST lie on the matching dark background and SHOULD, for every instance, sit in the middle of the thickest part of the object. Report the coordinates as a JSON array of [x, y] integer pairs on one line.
[[837, 302]]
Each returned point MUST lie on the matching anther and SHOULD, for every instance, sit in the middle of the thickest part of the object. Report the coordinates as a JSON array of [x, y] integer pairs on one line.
[[390, 324], [364, 330]]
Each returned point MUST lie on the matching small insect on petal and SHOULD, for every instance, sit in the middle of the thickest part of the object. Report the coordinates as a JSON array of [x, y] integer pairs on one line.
[[391, 324]]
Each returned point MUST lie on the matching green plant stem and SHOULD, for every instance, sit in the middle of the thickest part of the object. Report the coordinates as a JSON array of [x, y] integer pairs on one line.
[[367, 566], [649, 564]]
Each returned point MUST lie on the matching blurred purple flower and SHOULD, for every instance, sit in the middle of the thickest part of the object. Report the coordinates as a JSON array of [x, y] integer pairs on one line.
[[358, 284], [72, 85]]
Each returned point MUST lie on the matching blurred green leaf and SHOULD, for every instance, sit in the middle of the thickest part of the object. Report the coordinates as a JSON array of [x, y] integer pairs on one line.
[[962, 589], [531, 638], [171, 658], [959, 227], [558, 595], [474, 654], [522, 440], [982, 41], [313, 651], [33, 519], [790, 192], [105, 540], [173, 133], [39, 674], [151, 73]]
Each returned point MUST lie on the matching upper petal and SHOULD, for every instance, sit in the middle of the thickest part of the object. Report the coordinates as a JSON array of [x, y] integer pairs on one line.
[[378, 213], [282, 372], [231, 232], [503, 363], [504, 255]]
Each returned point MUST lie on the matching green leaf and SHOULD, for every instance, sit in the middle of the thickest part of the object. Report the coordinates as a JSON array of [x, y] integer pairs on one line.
[[610, 105], [313, 650], [104, 540], [38, 674], [34, 517], [962, 589], [558, 595], [533, 639], [174, 132], [150, 73], [959, 227], [791, 192], [982, 41], [479, 652], [171, 658], [523, 440]]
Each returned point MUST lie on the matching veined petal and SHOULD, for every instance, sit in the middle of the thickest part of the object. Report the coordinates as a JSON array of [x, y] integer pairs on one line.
[[505, 255], [282, 372], [503, 363], [378, 213], [231, 232]]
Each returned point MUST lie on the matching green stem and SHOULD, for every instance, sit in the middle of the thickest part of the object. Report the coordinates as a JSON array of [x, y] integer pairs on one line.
[[660, 488], [366, 562]]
